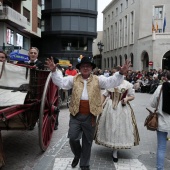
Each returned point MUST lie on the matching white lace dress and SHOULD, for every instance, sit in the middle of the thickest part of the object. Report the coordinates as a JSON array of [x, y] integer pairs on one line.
[[116, 126]]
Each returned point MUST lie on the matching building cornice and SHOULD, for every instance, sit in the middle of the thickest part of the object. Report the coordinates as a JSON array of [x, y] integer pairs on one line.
[[109, 5]]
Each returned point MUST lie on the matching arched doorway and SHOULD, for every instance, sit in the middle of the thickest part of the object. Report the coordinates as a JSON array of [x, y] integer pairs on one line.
[[125, 56], [131, 59], [120, 58], [116, 60], [97, 60], [166, 61], [145, 61]]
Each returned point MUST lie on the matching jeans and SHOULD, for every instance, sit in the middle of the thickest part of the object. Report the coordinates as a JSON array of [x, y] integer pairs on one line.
[[161, 149]]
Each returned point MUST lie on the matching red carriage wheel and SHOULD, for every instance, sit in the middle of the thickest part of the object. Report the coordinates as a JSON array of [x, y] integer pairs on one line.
[[47, 116]]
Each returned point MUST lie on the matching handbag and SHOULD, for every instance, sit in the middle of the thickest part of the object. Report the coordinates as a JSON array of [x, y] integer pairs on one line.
[[151, 121]]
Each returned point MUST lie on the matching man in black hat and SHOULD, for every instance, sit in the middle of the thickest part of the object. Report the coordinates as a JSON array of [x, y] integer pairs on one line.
[[85, 104]]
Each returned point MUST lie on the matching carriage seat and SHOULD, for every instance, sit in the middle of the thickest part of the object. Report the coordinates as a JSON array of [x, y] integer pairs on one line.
[[14, 81]]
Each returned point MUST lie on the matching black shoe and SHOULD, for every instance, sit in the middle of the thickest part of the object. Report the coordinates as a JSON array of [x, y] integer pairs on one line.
[[55, 127], [114, 159], [85, 168], [75, 162], [31, 127]]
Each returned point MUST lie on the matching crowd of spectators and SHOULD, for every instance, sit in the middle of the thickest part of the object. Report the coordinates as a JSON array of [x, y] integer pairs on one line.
[[143, 81]]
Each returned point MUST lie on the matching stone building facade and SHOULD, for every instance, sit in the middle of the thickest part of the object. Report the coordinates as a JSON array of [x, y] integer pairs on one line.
[[137, 30]]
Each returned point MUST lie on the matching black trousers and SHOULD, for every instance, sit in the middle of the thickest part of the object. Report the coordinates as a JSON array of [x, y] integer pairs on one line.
[[82, 127]]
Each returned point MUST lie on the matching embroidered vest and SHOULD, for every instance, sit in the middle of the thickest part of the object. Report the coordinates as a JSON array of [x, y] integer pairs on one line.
[[94, 94]]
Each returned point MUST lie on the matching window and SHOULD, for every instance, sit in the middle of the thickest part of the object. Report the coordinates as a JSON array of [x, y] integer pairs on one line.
[[19, 40], [105, 40], [42, 25], [105, 20], [26, 43], [105, 63], [115, 60], [108, 63], [132, 27], [42, 5], [125, 57], [26, 13], [120, 33], [158, 12], [126, 3], [115, 36], [108, 39], [111, 38], [120, 60], [111, 62], [112, 14], [39, 22], [116, 11], [39, 2], [10, 36], [7, 3], [108, 18], [73, 44], [125, 31], [121, 7]]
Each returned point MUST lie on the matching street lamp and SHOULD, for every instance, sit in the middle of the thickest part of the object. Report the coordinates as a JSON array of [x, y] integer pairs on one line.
[[100, 47]]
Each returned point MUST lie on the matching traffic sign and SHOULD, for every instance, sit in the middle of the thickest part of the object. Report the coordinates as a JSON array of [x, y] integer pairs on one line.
[[150, 63]]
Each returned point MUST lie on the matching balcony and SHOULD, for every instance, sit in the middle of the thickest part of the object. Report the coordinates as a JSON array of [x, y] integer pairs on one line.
[[12, 17]]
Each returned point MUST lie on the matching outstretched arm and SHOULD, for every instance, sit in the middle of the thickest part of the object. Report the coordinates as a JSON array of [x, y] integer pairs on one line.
[[124, 69], [57, 76], [50, 64]]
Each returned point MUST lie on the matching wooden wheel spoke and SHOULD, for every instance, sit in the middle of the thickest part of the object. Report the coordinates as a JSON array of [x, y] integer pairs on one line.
[[47, 104], [55, 99], [47, 129], [44, 124], [51, 95]]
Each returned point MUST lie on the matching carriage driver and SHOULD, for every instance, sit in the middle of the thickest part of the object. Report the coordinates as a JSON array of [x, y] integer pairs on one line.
[[33, 59], [85, 104]]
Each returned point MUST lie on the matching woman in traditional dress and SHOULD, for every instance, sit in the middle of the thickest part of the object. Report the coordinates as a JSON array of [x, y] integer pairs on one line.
[[117, 128]]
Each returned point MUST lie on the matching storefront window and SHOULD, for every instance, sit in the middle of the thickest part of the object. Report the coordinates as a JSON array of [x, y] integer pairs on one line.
[[10, 36]]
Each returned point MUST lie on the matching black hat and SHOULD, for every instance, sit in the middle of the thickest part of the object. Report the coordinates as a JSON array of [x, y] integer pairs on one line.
[[85, 60]]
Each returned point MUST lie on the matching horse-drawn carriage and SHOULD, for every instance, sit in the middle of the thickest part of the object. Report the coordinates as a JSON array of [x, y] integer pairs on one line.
[[27, 96]]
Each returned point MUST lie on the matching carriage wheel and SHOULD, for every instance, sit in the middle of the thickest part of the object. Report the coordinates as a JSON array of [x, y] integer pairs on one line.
[[47, 115]]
